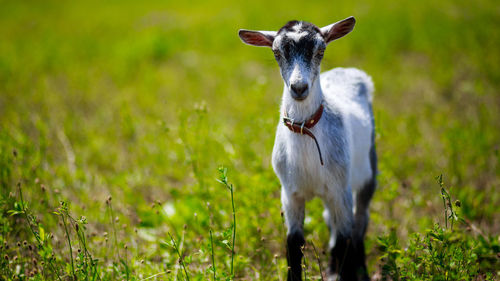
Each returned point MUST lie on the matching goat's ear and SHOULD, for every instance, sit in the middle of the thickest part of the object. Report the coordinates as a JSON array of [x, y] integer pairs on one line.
[[339, 29], [257, 38]]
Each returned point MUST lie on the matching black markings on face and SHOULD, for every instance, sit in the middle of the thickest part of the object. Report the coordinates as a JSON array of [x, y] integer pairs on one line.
[[300, 40]]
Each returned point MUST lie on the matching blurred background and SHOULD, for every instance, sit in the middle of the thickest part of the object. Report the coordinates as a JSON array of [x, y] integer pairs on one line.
[[126, 109]]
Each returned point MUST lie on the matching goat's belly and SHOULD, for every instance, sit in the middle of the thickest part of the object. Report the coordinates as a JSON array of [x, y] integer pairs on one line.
[[360, 132], [361, 173]]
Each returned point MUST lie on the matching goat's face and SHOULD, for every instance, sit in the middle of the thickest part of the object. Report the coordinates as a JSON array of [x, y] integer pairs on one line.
[[298, 48]]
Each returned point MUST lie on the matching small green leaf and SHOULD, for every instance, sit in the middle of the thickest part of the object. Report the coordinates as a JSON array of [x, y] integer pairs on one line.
[[42, 233]]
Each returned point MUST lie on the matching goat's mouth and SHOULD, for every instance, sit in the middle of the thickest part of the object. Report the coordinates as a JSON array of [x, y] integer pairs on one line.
[[299, 97]]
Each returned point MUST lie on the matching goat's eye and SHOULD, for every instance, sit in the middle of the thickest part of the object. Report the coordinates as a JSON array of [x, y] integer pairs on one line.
[[277, 55]]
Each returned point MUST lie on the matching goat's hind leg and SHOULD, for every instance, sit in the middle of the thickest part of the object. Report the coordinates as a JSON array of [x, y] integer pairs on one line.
[[340, 220], [362, 200], [361, 218], [364, 195], [294, 208]]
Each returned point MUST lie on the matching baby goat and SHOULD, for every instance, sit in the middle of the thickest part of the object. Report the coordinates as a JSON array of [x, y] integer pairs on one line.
[[324, 143]]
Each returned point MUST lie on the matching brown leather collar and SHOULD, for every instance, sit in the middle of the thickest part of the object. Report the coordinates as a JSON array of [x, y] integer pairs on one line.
[[305, 126]]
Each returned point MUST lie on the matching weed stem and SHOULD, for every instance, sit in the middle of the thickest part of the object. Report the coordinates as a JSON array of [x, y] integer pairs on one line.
[[181, 260], [212, 248]]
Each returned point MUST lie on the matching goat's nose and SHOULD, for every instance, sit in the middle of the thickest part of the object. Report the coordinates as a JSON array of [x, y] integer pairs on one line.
[[299, 89]]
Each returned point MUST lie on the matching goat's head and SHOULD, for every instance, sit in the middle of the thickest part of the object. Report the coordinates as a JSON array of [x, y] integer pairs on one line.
[[298, 48]]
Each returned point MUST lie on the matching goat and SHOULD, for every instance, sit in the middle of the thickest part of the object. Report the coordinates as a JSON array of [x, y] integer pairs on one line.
[[324, 145]]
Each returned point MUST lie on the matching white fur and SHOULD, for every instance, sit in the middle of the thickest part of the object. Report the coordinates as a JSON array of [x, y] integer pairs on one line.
[[296, 35]]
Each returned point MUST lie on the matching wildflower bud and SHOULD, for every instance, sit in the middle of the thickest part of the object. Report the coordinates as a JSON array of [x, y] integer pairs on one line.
[[35, 262], [37, 180], [30, 247], [276, 256], [168, 271], [25, 243], [42, 186], [18, 244], [185, 226], [263, 239], [125, 246], [15, 258], [42, 263], [14, 152], [142, 261], [77, 227], [32, 274], [458, 203], [6, 257], [105, 234]]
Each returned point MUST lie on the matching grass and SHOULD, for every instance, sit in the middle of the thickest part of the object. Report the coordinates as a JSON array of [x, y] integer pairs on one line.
[[116, 116]]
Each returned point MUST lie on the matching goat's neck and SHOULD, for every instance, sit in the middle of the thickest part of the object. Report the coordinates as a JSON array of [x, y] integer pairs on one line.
[[301, 110]]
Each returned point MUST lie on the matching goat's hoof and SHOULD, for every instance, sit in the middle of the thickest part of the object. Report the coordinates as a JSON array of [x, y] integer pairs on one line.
[[333, 277]]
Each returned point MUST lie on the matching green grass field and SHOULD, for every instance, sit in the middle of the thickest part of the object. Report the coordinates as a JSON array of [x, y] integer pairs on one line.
[[115, 117]]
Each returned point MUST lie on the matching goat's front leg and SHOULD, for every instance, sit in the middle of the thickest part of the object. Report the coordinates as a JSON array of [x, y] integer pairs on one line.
[[293, 208]]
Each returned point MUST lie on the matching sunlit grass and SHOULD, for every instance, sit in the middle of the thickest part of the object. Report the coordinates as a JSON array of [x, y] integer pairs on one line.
[[143, 102]]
